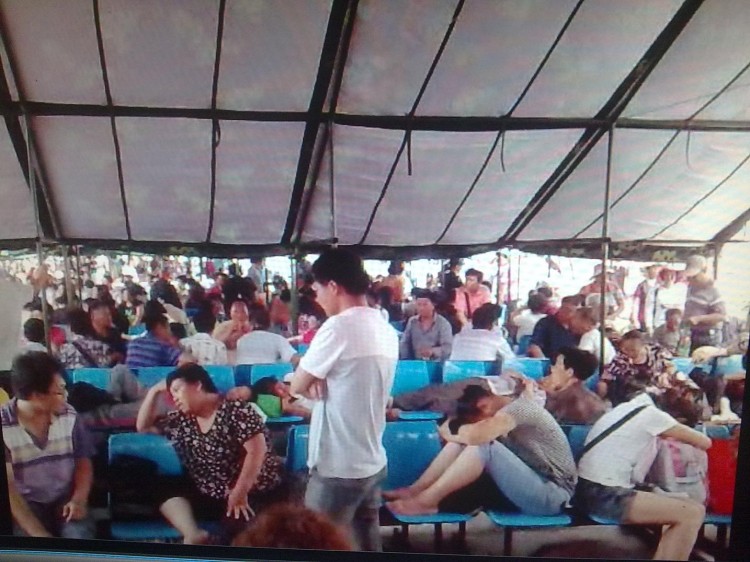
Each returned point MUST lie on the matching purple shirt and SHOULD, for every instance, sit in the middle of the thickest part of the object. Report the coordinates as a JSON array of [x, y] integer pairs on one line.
[[43, 472]]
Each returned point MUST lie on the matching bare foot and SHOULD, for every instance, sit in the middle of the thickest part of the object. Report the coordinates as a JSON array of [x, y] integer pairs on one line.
[[201, 537], [392, 414], [411, 506], [399, 493]]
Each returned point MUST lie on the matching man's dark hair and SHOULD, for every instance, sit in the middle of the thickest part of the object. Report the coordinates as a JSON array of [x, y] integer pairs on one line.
[[33, 372], [343, 267], [584, 363], [259, 316], [97, 304], [672, 312], [178, 330], [424, 294], [266, 385], [475, 273], [396, 267], [575, 300], [537, 302], [192, 373], [33, 330], [153, 308], [80, 322], [204, 321], [485, 316], [154, 320], [89, 284]]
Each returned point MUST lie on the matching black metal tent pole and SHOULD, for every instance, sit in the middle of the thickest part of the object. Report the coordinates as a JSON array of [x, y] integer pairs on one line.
[[331, 43], [215, 127], [609, 113], [605, 250], [502, 132], [111, 114], [410, 116]]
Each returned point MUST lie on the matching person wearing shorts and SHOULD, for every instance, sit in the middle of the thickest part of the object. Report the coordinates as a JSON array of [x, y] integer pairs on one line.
[[605, 486]]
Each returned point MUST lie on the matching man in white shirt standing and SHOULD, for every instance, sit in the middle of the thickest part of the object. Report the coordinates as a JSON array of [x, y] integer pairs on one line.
[[348, 370]]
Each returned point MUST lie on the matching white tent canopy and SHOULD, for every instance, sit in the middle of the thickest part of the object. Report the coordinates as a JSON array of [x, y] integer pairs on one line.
[[427, 127]]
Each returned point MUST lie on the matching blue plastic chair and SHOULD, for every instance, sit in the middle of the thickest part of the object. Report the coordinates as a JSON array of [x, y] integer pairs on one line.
[[528, 366], [510, 521], [454, 371], [410, 376], [592, 381], [685, 365], [523, 345], [435, 370], [729, 365], [302, 348], [149, 376], [95, 377], [576, 435], [275, 370], [137, 330], [399, 325], [296, 448], [222, 376]]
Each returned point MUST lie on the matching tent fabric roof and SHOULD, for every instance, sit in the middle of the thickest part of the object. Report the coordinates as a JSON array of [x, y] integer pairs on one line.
[[430, 127]]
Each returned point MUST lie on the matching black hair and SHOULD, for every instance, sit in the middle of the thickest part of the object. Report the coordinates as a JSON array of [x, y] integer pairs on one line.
[[96, 304], [205, 321], [192, 373], [89, 284], [537, 302], [33, 372], [154, 320], [343, 267], [80, 322], [424, 294], [672, 312], [396, 267], [259, 316], [153, 308], [485, 316], [474, 273], [33, 330], [178, 330], [466, 406], [264, 386], [584, 363]]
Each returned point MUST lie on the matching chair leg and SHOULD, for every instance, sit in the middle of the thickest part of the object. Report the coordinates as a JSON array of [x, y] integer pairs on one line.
[[438, 537], [405, 532], [462, 531], [507, 541], [721, 535]]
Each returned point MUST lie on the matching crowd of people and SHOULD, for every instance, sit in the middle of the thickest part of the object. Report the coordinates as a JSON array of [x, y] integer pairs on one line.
[[503, 426]]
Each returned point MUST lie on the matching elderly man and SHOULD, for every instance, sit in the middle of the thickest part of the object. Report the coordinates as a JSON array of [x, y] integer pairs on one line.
[[704, 307], [471, 296], [427, 335], [47, 453]]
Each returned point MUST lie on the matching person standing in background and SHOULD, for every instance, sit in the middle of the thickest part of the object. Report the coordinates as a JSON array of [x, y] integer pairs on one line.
[[704, 308]]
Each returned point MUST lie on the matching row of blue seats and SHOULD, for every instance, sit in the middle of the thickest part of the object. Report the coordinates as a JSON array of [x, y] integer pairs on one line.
[[410, 447]]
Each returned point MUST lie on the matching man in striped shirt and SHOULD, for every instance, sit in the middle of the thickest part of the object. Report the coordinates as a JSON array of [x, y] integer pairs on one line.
[[205, 349], [47, 453], [157, 348], [704, 308]]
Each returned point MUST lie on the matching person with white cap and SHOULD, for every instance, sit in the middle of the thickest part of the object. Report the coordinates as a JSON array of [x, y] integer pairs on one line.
[[704, 308], [508, 434]]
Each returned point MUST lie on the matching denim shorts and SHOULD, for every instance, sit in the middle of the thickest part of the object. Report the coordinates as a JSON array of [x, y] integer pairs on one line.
[[609, 502]]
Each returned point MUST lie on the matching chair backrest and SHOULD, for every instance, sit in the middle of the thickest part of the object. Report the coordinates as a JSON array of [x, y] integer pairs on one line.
[[410, 447], [302, 348], [136, 330], [149, 446], [94, 376], [528, 366], [275, 370], [398, 325], [592, 381], [716, 431], [149, 376], [435, 370], [729, 365], [576, 435], [410, 376], [242, 375], [523, 344], [296, 448], [454, 371], [222, 375], [685, 365]]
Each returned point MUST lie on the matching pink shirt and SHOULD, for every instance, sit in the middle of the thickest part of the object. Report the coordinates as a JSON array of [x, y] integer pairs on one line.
[[477, 299]]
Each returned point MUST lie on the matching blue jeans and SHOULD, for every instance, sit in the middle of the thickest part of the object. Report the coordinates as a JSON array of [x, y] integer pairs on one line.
[[350, 502], [529, 492]]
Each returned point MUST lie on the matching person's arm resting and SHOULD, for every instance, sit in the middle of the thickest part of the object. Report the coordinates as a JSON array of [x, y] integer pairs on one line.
[[487, 430], [304, 384], [20, 510], [146, 419], [687, 435], [256, 454]]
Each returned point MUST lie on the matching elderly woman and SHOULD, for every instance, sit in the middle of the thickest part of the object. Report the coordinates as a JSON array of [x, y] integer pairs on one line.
[[637, 364], [225, 449]]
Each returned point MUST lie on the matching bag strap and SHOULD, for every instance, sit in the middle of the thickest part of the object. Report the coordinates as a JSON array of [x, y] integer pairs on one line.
[[86, 355], [612, 428]]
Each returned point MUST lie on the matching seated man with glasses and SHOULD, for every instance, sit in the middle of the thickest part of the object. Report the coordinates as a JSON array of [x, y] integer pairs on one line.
[[47, 453]]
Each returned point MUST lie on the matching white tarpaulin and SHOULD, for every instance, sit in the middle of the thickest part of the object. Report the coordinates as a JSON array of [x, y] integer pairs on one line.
[[414, 127]]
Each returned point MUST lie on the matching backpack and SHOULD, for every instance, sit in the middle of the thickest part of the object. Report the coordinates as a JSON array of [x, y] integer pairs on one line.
[[680, 469]]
